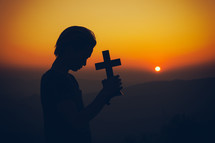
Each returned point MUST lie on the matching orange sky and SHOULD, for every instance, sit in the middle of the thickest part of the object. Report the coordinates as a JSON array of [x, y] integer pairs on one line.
[[143, 33]]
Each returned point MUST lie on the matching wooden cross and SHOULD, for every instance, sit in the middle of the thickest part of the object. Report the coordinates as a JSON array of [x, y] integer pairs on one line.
[[108, 64]]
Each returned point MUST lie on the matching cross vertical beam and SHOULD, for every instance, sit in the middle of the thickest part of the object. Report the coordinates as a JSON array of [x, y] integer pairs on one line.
[[109, 69]]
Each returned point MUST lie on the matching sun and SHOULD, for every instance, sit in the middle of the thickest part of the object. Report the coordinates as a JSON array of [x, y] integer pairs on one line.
[[157, 68]]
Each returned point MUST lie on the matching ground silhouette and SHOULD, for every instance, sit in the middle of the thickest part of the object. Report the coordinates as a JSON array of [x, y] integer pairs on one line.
[[159, 114]]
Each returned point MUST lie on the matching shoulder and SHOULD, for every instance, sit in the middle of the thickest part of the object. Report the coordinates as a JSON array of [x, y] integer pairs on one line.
[[51, 76], [53, 83]]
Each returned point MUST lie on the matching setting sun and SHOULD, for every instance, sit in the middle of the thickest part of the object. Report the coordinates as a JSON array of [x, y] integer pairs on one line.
[[157, 68]]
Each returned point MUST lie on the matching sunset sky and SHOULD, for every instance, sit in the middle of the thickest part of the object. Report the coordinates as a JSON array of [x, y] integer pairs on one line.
[[143, 33]]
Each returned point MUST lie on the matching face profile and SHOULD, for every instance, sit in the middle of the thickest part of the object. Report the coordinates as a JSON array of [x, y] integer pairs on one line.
[[76, 60]]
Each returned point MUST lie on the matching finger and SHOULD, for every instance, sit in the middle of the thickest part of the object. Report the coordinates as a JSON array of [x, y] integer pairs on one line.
[[117, 76], [111, 82], [118, 93], [116, 85], [104, 81], [118, 88], [116, 79]]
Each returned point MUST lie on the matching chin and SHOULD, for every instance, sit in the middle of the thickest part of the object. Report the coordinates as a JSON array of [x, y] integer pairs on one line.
[[76, 69]]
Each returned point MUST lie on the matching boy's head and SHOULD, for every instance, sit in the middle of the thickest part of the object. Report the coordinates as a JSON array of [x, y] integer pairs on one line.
[[75, 45]]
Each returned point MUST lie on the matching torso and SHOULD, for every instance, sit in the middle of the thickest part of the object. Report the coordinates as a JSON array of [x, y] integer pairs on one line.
[[56, 87]]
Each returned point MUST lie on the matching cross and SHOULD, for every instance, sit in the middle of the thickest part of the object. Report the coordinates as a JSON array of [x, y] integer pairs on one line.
[[107, 64]]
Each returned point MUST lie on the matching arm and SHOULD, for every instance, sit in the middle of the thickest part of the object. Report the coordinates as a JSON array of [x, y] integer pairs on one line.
[[77, 119]]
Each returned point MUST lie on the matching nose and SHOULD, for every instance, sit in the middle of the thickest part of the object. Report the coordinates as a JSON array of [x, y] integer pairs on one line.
[[85, 62]]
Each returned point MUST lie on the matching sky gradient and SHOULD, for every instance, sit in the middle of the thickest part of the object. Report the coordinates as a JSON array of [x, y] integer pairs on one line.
[[143, 33]]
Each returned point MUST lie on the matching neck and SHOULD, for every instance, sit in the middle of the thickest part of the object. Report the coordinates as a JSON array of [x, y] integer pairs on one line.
[[59, 65]]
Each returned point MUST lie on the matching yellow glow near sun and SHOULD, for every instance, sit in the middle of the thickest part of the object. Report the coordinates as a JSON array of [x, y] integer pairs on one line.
[[138, 31], [157, 68]]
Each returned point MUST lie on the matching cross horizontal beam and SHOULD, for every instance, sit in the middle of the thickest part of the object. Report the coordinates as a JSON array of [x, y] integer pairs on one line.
[[107, 64]]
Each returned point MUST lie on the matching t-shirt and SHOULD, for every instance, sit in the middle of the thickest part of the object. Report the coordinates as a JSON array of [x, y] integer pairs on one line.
[[56, 87]]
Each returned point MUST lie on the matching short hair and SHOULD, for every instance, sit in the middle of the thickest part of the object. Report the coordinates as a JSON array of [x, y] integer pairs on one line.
[[76, 38]]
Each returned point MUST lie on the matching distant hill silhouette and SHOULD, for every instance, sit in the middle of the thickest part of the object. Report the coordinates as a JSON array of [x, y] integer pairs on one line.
[[148, 107], [153, 112]]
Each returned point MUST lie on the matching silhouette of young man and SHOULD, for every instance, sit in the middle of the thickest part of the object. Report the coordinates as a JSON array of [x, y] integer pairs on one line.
[[66, 120]]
